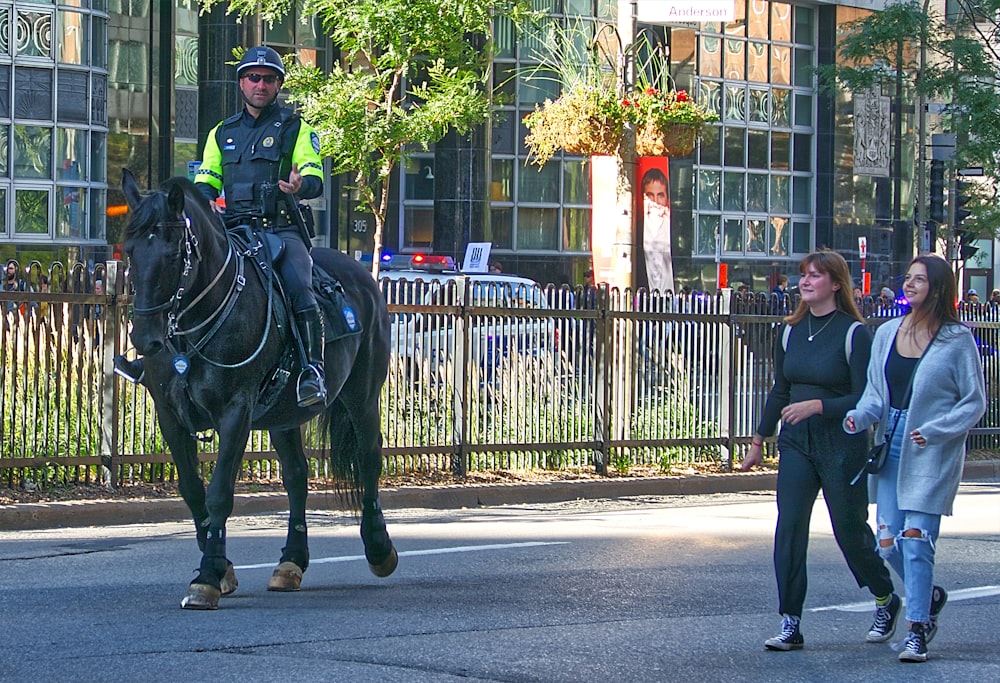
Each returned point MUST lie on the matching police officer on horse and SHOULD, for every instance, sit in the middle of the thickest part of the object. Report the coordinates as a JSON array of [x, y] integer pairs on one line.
[[265, 158]]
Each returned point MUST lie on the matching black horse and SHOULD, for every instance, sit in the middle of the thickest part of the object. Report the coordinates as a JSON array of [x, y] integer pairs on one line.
[[214, 333]]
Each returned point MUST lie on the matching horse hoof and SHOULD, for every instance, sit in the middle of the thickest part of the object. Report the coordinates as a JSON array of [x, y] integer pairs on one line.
[[229, 582], [201, 596], [386, 566], [287, 577]]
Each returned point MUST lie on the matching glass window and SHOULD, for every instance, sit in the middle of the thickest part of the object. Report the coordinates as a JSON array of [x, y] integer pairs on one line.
[[778, 236], [803, 152], [802, 195], [186, 60], [99, 153], [803, 109], [34, 33], [733, 198], [760, 105], [781, 65], [99, 100], [73, 102], [781, 150], [736, 68], [804, 25], [576, 229], [710, 96], [710, 149], [73, 45], [418, 226], [576, 182], [710, 57], [780, 194], [536, 88], [539, 186], [781, 22], [419, 177], [71, 218], [803, 68], [757, 192], [31, 212], [732, 239], [504, 38], [708, 234], [537, 228], [781, 107], [99, 45], [98, 209], [502, 226], [757, 62], [757, 148], [504, 82], [801, 234], [32, 152], [756, 236], [503, 131], [71, 154], [3, 211], [735, 147], [708, 190], [4, 89], [502, 183], [736, 106], [33, 93], [757, 19], [4, 150]]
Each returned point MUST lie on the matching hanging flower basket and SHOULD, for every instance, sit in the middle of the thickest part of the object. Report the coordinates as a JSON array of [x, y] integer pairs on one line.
[[675, 140], [592, 135]]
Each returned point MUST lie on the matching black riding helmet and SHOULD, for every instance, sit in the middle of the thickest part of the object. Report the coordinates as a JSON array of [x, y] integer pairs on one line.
[[261, 57]]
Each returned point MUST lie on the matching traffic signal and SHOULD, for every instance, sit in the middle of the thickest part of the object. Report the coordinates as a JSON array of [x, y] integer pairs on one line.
[[937, 192], [965, 237]]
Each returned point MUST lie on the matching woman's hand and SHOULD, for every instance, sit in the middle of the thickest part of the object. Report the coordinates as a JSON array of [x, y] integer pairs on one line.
[[918, 438], [851, 427], [753, 456], [794, 413]]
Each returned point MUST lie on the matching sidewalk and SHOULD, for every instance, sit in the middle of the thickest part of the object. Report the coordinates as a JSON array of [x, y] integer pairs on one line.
[[148, 511]]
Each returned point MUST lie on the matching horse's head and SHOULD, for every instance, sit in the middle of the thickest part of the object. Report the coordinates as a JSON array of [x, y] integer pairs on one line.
[[158, 243]]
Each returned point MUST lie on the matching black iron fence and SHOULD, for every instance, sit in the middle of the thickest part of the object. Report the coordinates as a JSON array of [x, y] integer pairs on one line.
[[482, 378]]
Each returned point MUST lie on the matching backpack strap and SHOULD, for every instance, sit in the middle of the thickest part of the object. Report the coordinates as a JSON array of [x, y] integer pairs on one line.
[[786, 332]]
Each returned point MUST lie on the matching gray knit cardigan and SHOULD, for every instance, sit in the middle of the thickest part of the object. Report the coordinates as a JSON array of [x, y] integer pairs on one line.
[[948, 398]]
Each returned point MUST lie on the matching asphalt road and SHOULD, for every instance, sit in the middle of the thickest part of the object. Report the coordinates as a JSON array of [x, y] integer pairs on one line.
[[657, 588]]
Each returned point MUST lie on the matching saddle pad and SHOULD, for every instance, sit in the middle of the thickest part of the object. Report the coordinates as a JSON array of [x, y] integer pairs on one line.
[[339, 318]]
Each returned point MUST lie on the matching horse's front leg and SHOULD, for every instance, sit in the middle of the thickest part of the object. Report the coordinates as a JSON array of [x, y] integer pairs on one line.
[[287, 575], [215, 571]]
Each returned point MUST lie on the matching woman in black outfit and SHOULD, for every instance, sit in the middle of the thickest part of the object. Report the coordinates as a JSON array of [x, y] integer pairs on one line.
[[820, 369]]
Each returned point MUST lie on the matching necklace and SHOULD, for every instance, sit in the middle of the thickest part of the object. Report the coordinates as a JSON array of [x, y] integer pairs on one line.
[[809, 322]]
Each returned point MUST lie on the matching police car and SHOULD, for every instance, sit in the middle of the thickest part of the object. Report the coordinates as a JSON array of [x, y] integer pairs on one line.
[[428, 295]]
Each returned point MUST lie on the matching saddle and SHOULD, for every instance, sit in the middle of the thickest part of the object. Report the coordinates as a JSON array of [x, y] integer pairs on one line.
[[264, 249]]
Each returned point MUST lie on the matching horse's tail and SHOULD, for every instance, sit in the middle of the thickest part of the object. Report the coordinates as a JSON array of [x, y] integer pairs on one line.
[[345, 452]]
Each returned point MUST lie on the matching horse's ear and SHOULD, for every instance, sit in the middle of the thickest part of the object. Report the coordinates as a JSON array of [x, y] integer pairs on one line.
[[131, 189], [175, 200]]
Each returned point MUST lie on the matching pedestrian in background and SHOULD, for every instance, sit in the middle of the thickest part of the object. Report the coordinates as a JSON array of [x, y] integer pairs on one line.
[[820, 362], [925, 383]]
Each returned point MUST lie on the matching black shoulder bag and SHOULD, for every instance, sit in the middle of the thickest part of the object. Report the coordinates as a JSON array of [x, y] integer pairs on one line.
[[877, 454]]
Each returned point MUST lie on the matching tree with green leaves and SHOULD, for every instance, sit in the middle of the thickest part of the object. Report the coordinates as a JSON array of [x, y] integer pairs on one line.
[[954, 59], [408, 74]]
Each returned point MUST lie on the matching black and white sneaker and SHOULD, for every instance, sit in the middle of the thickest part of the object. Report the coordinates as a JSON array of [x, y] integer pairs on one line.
[[939, 598], [885, 621], [789, 638], [915, 647]]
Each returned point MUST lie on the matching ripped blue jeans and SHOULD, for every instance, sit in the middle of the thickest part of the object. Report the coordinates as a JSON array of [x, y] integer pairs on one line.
[[912, 558]]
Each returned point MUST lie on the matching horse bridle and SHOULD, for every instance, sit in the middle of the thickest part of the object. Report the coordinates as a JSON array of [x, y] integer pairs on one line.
[[192, 253]]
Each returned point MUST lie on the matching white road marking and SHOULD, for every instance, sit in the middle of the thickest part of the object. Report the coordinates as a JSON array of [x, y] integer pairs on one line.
[[429, 551], [960, 594]]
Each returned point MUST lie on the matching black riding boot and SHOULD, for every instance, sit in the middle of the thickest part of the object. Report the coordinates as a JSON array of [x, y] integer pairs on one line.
[[132, 370], [312, 382]]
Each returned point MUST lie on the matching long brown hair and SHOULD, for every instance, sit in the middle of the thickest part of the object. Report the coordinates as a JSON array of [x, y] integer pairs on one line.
[[828, 261], [939, 307]]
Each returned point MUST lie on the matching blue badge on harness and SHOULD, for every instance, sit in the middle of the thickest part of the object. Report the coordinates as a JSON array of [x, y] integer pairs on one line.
[[181, 365], [350, 318]]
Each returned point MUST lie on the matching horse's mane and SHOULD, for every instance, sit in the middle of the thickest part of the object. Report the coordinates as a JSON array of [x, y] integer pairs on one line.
[[154, 207]]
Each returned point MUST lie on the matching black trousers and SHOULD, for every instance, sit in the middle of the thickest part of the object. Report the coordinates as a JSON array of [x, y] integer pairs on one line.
[[817, 455], [295, 270]]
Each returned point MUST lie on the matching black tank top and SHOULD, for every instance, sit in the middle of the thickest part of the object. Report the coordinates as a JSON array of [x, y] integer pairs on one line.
[[898, 371]]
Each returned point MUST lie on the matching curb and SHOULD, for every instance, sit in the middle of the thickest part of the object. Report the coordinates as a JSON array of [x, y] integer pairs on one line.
[[34, 516]]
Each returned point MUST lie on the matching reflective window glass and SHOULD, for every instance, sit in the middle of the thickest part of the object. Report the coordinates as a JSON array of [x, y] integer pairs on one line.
[[780, 194], [539, 186], [803, 109], [735, 147], [73, 45], [781, 150], [576, 182], [31, 212], [757, 67], [736, 105], [34, 34], [757, 193], [736, 58], [502, 182], [801, 237], [756, 235], [757, 148], [732, 239], [708, 190], [802, 195], [777, 236], [576, 229], [708, 233], [502, 227], [781, 107], [537, 228], [710, 57], [733, 198], [781, 22], [32, 152], [757, 19], [71, 214], [781, 65]]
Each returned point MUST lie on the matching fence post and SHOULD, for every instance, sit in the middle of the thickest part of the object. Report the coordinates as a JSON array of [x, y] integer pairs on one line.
[[603, 378], [462, 428], [725, 358], [114, 286]]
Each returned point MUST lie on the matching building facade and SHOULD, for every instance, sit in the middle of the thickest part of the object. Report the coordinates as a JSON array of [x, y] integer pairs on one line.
[[88, 87]]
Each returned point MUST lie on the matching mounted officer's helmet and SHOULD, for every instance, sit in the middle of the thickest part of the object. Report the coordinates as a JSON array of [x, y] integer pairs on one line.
[[261, 57]]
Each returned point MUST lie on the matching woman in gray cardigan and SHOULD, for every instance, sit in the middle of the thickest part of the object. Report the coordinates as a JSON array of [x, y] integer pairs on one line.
[[925, 373]]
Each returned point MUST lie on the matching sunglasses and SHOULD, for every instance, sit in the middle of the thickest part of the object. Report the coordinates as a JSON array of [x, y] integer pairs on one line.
[[270, 79]]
